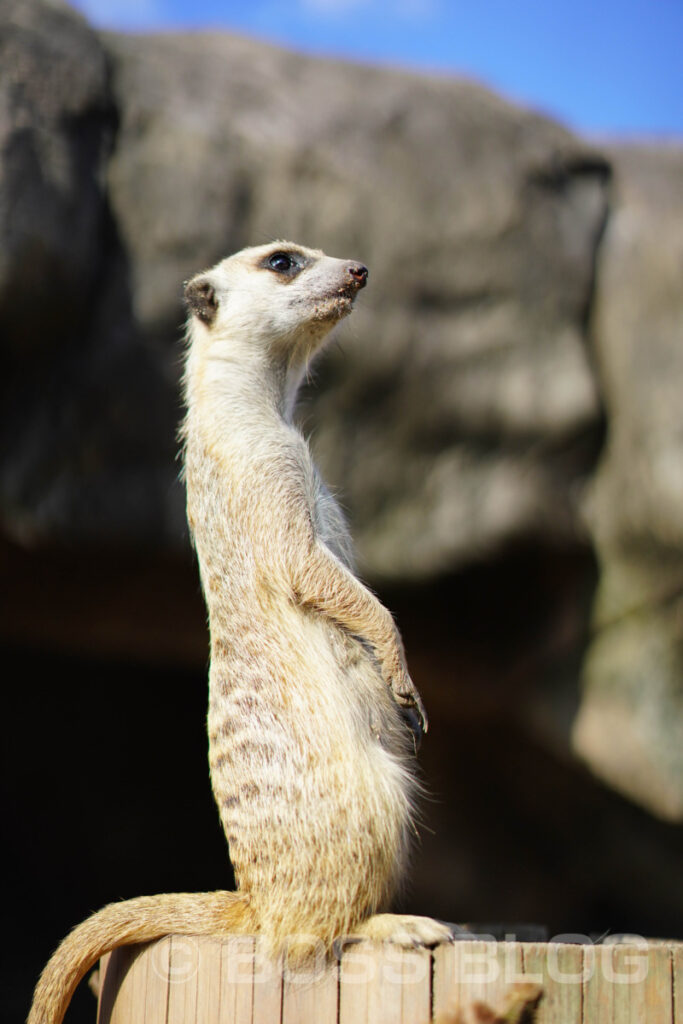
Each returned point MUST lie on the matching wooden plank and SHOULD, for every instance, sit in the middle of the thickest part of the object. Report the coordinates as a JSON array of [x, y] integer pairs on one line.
[[209, 988], [122, 1007], [108, 978], [643, 980], [561, 970], [149, 984], [443, 980], [357, 971], [414, 972], [182, 964], [267, 989], [138, 989], [630, 983], [399, 990], [598, 992], [677, 983], [384, 984], [235, 976], [201, 980], [466, 973], [310, 993]]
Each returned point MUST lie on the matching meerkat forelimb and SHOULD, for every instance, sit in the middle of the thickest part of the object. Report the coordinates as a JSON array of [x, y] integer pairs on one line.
[[312, 712]]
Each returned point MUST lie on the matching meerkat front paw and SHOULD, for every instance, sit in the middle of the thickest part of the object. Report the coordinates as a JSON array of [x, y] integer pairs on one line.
[[404, 930], [408, 698]]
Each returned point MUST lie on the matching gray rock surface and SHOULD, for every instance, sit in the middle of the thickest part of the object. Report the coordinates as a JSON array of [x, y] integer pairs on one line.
[[457, 411], [460, 411], [630, 727], [54, 109], [86, 413]]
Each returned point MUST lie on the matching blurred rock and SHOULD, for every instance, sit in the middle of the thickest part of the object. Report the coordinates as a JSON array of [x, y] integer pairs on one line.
[[459, 409], [460, 412], [87, 413], [630, 727], [54, 110]]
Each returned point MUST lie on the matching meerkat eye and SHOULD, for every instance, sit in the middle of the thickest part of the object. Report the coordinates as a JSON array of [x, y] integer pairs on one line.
[[286, 263], [282, 263]]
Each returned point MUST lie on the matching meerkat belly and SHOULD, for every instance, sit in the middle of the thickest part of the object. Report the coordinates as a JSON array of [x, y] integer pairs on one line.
[[307, 764]]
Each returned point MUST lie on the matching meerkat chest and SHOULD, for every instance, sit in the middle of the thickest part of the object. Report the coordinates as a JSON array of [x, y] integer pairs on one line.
[[245, 499]]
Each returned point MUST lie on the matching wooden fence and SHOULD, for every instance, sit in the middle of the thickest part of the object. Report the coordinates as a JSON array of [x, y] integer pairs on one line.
[[199, 980]]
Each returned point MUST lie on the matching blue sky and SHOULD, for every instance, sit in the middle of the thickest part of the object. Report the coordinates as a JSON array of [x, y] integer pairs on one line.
[[604, 67]]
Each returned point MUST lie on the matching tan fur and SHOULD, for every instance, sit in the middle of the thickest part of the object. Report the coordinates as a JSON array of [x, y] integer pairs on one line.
[[311, 759]]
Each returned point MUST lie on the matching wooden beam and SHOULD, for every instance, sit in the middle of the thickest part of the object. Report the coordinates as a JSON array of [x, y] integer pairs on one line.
[[201, 980]]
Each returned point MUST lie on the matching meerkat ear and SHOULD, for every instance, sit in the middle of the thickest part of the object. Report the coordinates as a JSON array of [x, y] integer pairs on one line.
[[200, 297]]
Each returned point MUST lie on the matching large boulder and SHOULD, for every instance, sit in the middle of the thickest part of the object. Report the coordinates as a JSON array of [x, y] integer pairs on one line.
[[462, 408], [459, 410], [86, 409], [630, 727], [53, 137]]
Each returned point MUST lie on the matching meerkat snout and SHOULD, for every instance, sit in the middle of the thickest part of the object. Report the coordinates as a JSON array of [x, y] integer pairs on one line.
[[359, 274]]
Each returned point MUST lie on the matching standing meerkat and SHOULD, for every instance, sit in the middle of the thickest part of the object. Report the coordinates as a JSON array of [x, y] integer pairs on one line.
[[312, 714]]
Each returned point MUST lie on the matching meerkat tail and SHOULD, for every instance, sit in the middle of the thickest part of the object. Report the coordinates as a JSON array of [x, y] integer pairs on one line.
[[136, 920]]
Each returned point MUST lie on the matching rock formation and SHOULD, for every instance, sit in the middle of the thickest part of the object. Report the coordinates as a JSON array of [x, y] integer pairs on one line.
[[502, 415]]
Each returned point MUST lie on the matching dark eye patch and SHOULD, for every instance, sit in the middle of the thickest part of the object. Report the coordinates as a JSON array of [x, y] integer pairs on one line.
[[284, 263]]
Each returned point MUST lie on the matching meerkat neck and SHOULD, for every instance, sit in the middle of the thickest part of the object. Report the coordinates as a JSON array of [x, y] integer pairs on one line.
[[236, 384]]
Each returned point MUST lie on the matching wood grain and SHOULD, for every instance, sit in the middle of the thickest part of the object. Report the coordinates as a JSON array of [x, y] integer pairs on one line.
[[202, 980]]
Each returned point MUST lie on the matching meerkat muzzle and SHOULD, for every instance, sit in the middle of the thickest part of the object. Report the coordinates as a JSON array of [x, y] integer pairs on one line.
[[358, 274]]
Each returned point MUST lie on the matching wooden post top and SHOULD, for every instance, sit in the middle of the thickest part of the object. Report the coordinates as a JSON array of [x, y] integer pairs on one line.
[[203, 980]]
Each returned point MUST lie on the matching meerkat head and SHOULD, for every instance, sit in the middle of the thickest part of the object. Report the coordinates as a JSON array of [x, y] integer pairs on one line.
[[279, 300]]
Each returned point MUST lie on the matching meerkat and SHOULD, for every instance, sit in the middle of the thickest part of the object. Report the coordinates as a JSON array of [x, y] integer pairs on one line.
[[312, 713]]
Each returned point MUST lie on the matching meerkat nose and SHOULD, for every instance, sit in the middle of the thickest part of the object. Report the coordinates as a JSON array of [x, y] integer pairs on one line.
[[359, 274]]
